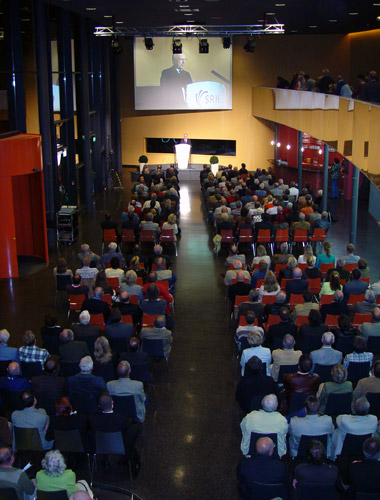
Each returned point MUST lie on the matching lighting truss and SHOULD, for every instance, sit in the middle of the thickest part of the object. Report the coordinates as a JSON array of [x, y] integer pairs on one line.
[[191, 30]]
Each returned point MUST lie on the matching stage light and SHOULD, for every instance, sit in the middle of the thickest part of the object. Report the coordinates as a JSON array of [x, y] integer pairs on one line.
[[272, 143], [149, 43], [177, 46], [203, 46], [288, 146], [320, 151], [226, 42], [278, 144], [250, 45], [115, 46]]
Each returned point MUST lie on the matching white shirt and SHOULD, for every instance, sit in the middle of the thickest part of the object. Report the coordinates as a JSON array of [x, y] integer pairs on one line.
[[351, 424], [311, 425], [261, 352], [264, 423]]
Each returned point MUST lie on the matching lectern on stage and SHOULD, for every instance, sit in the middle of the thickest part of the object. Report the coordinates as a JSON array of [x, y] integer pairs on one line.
[[182, 152]]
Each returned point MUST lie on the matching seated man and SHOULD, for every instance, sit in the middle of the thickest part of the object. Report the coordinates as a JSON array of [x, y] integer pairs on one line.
[[262, 467], [363, 475], [369, 384], [134, 355], [279, 303], [313, 424], [322, 222], [159, 332], [255, 340], [265, 421], [252, 304], [84, 330], [71, 351], [306, 307], [153, 304], [87, 273], [85, 383], [234, 256], [114, 271], [7, 353], [238, 288], [277, 332], [14, 381], [76, 288], [118, 329], [359, 423], [282, 257], [149, 225], [127, 308], [371, 329], [49, 382], [285, 356], [165, 274], [367, 306], [302, 382], [29, 352], [107, 257], [96, 305], [12, 477], [297, 285], [359, 354], [344, 275], [337, 306], [326, 355], [32, 417], [355, 286], [231, 273], [350, 257], [249, 327], [87, 252], [124, 386], [301, 224], [157, 252], [254, 383]]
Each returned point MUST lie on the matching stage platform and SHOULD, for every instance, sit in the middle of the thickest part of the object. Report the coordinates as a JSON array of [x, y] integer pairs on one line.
[[190, 174]]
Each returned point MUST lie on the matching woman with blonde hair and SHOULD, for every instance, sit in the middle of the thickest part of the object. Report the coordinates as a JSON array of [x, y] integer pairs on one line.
[[261, 255], [104, 359], [131, 285], [135, 266], [270, 285], [338, 385], [307, 252], [171, 224]]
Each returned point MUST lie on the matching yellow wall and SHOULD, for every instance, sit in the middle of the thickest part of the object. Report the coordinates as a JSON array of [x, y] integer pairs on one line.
[[274, 55]]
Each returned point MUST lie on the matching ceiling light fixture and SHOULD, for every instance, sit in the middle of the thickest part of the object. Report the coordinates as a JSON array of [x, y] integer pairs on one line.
[[226, 42], [353, 13], [203, 46], [115, 46], [250, 45], [177, 46], [149, 43], [90, 8]]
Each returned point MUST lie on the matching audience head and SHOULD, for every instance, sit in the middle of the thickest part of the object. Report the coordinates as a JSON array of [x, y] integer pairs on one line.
[[334, 281], [86, 364], [254, 339], [284, 248], [292, 262], [66, 335], [310, 261], [312, 405], [84, 318], [305, 363], [123, 369], [152, 292], [133, 344], [315, 318], [254, 295], [359, 344], [6, 456], [307, 296], [297, 273], [288, 341], [280, 297], [4, 336], [269, 403], [102, 350], [338, 374], [340, 263], [61, 265], [265, 446], [51, 366], [130, 277], [360, 406], [261, 251], [371, 448], [338, 296], [77, 279], [316, 452], [27, 399], [29, 338], [14, 369], [376, 315], [98, 292], [284, 314], [86, 261], [54, 464], [105, 402], [376, 368], [250, 317], [356, 274], [124, 297], [263, 265], [328, 338], [350, 248], [160, 322], [63, 407], [253, 367], [112, 247], [270, 282], [327, 247]]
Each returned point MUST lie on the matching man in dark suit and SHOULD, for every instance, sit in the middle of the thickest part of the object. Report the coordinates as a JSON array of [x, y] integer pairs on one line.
[[239, 288], [337, 306], [127, 308], [363, 474], [76, 288], [72, 351], [84, 386], [84, 331], [254, 383], [134, 356], [297, 285], [343, 273], [95, 305], [117, 329], [354, 287], [174, 81], [264, 224], [49, 382], [262, 467], [252, 304], [108, 223], [108, 421], [276, 333]]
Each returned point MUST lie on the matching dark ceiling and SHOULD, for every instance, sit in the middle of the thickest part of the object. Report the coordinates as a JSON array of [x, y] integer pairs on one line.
[[299, 16]]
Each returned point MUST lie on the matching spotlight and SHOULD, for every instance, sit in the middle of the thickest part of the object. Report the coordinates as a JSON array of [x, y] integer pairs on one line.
[[177, 46], [203, 46], [115, 46], [250, 45], [272, 143], [226, 42], [279, 144], [288, 146], [149, 43]]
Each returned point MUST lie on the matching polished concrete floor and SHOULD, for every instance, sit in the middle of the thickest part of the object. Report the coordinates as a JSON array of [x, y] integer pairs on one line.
[[190, 445]]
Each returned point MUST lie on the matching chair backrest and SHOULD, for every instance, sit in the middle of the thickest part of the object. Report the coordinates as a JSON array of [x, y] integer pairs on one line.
[[107, 299], [316, 491], [354, 298], [286, 369], [295, 298], [8, 492], [373, 344], [27, 439], [240, 299], [259, 283], [12, 400], [114, 283], [257, 435], [356, 371], [226, 235], [125, 405], [148, 319], [350, 266], [300, 235], [319, 232], [69, 369], [97, 319], [52, 495], [326, 299], [302, 320], [153, 347], [282, 235], [46, 400], [267, 491], [302, 266], [109, 443], [127, 318], [147, 235], [263, 236], [359, 319], [331, 320], [106, 371], [62, 281], [353, 444], [76, 301], [128, 235], [338, 404], [167, 235], [324, 372], [109, 235], [305, 440], [68, 441], [325, 266], [30, 370], [314, 284], [374, 401], [273, 319], [268, 299], [141, 373], [245, 234]]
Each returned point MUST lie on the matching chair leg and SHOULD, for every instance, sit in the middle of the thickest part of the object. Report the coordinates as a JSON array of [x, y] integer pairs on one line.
[[130, 471], [154, 394], [92, 469]]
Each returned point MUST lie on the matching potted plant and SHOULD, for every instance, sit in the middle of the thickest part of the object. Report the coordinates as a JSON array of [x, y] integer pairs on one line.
[[143, 160], [214, 161]]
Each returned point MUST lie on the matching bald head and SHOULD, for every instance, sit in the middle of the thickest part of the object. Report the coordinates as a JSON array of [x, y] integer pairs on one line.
[[237, 264], [240, 276], [13, 369], [264, 446], [297, 273]]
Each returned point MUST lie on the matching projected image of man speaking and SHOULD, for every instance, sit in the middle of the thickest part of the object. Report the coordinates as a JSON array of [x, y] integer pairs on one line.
[[173, 82]]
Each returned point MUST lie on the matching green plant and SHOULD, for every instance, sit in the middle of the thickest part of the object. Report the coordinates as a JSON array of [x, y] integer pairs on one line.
[[143, 159], [214, 160]]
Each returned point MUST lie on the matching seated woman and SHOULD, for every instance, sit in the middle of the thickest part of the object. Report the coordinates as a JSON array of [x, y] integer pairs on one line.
[[135, 266], [307, 252], [61, 268], [130, 285], [287, 272], [326, 257], [363, 268], [115, 271], [270, 285], [171, 224], [339, 385], [54, 476], [104, 359], [331, 286], [101, 280], [261, 255]]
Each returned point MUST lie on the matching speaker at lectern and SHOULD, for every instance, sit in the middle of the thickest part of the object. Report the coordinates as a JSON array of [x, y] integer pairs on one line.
[[182, 152]]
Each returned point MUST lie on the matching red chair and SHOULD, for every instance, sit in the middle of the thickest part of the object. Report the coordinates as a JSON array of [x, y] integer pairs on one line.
[[302, 266], [114, 283], [259, 283], [233, 281], [300, 236], [239, 299], [140, 281], [359, 319], [109, 235], [367, 280], [133, 299], [296, 298], [147, 236], [167, 236], [264, 237], [319, 234], [75, 303], [246, 236], [283, 283], [350, 266], [148, 319], [98, 320], [232, 266], [326, 299], [282, 235], [302, 320], [268, 299], [273, 319], [331, 320], [325, 267], [277, 269], [127, 318], [107, 298], [353, 299], [128, 236], [314, 285]]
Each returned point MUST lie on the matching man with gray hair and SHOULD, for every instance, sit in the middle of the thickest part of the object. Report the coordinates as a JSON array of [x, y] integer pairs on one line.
[[85, 384], [7, 353], [234, 255], [106, 259], [265, 421], [326, 355], [96, 305], [13, 477], [231, 273], [85, 332], [285, 356], [87, 252], [71, 351], [282, 257], [371, 329], [124, 386], [367, 306], [30, 352], [363, 475], [297, 285], [252, 304], [337, 306], [322, 223], [359, 424]]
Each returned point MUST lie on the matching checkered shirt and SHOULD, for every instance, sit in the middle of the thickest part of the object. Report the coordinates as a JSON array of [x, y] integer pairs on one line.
[[32, 353], [358, 357]]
